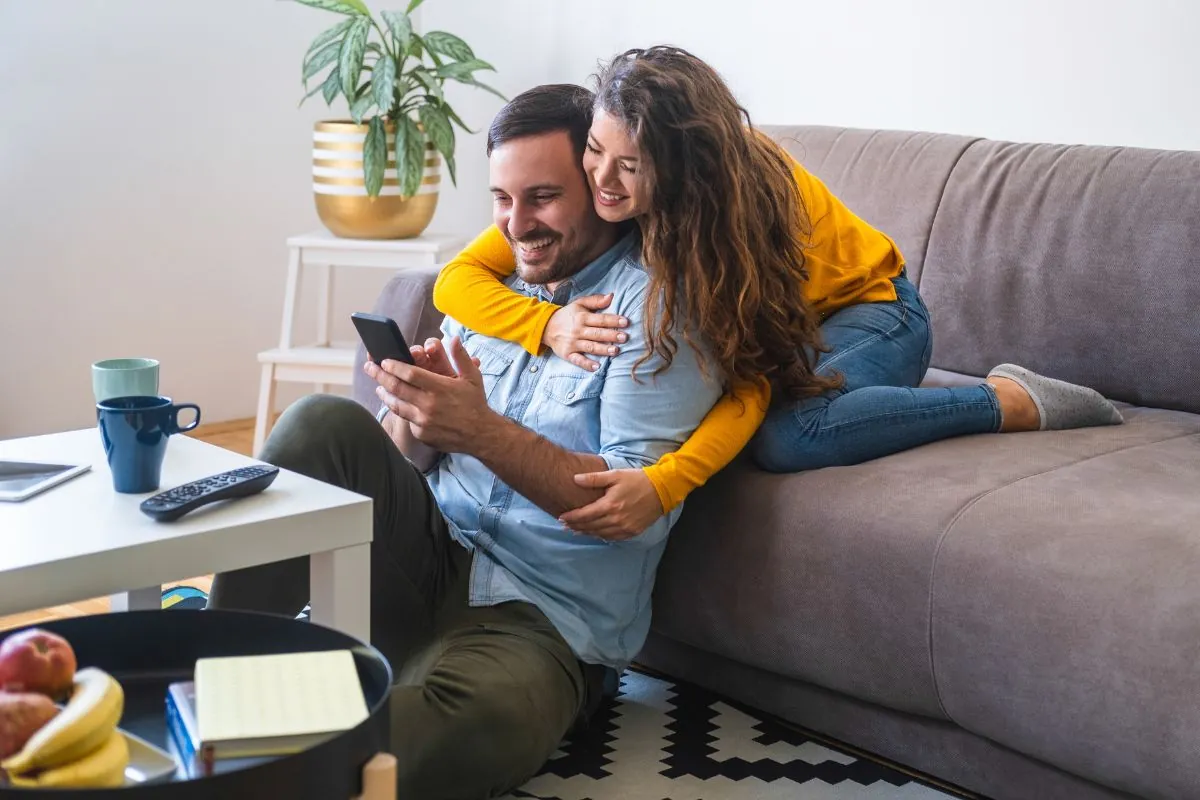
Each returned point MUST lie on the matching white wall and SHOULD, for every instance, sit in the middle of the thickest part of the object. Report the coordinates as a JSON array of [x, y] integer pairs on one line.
[[1075, 71], [153, 159]]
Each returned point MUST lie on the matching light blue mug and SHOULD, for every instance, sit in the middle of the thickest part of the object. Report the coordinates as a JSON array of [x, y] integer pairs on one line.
[[124, 377]]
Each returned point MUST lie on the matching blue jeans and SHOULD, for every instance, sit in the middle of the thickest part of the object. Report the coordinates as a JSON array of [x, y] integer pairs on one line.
[[882, 350]]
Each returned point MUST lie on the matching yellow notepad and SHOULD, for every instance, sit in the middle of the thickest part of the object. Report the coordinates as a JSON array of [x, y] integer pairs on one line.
[[275, 704]]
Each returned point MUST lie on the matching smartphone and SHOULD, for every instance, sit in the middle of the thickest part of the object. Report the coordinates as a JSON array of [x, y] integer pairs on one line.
[[382, 337]]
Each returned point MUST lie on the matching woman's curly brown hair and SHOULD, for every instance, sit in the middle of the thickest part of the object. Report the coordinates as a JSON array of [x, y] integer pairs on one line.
[[725, 233]]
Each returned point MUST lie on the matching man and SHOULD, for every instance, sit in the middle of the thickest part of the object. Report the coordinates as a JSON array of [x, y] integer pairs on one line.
[[500, 623]]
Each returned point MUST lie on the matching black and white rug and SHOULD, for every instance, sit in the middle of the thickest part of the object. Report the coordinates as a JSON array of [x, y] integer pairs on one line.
[[661, 739], [665, 740]]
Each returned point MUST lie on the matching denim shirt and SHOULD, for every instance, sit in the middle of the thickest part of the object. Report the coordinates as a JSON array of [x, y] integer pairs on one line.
[[595, 593]]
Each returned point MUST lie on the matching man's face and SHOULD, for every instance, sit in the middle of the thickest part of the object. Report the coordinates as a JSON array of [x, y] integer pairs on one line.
[[542, 204]]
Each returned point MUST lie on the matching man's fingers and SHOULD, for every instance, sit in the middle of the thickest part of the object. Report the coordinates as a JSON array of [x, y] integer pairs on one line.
[[464, 365], [400, 390], [402, 409], [419, 356], [421, 378]]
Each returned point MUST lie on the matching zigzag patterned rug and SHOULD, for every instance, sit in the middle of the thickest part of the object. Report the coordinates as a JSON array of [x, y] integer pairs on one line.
[[661, 739]]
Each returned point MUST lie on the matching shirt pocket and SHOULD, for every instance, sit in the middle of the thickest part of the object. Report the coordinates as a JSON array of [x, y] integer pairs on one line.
[[569, 409], [493, 364]]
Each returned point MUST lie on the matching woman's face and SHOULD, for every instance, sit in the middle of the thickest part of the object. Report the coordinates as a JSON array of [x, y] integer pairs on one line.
[[612, 164]]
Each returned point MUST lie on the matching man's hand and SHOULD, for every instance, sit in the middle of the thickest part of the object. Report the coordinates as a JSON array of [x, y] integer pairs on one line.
[[574, 330], [444, 411]]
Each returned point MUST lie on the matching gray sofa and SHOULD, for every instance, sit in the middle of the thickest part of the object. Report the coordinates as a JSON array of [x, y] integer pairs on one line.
[[1019, 614]]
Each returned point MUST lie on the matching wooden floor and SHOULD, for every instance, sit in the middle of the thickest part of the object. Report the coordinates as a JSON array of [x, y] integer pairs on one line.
[[237, 436]]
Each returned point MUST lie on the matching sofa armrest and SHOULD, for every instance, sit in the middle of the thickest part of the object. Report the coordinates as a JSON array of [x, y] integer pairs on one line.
[[408, 299]]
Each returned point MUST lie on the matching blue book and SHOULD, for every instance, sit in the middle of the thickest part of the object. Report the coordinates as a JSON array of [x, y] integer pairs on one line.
[[183, 732]]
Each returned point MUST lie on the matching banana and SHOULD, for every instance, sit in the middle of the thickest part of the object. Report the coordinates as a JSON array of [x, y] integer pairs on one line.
[[103, 767], [86, 721]]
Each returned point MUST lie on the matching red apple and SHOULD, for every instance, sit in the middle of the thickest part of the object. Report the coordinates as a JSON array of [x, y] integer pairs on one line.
[[21, 714], [36, 660]]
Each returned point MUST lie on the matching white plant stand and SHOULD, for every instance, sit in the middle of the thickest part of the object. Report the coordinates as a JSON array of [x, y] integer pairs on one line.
[[324, 363]]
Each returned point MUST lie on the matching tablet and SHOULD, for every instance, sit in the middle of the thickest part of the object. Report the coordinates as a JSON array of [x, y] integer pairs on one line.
[[22, 479]]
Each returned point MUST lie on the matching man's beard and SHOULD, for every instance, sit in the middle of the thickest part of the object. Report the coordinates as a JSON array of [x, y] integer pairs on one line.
[[567, 262]]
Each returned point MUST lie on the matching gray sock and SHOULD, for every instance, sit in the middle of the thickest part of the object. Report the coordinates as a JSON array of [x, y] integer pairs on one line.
[[1061, 405]]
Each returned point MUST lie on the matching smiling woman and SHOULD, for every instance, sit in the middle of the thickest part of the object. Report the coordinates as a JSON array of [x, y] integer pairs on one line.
[[611, 164]]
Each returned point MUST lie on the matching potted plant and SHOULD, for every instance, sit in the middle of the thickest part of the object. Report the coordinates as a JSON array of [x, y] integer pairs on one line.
[[376, 175]]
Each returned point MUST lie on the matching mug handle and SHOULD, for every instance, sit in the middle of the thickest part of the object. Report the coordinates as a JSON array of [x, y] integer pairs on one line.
[[175, 417]]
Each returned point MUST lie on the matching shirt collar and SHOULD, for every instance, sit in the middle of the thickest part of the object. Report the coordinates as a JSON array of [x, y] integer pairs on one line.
[[586, 279]]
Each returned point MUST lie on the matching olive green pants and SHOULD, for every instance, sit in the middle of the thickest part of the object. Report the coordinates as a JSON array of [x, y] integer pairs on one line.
[[483, 695]]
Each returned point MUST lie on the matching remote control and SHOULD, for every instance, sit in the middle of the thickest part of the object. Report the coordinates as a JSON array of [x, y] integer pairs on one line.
[[174, 503]]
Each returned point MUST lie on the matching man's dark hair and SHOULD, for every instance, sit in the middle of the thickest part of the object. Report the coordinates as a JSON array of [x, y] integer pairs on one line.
[[544, 109]]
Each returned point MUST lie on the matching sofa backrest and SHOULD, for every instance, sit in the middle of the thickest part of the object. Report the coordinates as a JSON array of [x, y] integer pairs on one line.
[[1080, 262], [891, 179]]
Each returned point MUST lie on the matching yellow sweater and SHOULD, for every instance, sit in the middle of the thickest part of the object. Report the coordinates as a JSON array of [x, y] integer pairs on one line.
[[848, 262]]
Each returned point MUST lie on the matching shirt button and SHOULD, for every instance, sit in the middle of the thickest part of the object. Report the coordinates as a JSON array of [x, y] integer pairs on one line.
[[570, 395], [533, 368]]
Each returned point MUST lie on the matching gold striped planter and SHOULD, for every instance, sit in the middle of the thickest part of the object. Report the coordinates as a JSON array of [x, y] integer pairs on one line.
[[341, 193]]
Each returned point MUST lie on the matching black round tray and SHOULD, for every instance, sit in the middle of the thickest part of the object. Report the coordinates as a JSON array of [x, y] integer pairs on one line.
[[146, 650]]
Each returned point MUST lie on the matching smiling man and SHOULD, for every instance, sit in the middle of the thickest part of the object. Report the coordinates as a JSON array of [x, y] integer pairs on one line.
[[501, 624]]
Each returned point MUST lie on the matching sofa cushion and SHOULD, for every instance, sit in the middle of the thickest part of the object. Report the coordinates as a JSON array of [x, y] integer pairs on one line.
[[1078, 262], [1066, 615], [827, 576], [891, 179]]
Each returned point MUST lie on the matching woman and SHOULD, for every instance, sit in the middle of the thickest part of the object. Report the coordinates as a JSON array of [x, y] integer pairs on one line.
[[793, 295]]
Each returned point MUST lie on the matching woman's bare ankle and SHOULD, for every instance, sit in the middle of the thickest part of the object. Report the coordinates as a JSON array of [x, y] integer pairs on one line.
[[1017, 410]]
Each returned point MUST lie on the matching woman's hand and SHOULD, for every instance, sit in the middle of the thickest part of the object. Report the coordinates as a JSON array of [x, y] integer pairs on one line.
[[574, 330], [629, 505]]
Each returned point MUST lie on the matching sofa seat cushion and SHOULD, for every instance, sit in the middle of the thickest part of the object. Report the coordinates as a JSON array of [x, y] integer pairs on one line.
[[1066, 615], [835, 576]]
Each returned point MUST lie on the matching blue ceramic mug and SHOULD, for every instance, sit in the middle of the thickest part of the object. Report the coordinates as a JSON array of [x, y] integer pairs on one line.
[[134, 431]]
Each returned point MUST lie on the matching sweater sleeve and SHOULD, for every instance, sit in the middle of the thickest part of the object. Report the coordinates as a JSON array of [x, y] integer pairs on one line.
[[469, 289], [722, 434]]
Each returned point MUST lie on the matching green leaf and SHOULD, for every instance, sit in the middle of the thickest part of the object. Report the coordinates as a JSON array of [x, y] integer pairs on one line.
[[412, 5], [321, 60], [310, 93], [331, 85], [410, 155], [462, 69], [374, 156], [455, 118], [327, 36], [485, 87], [472, 82], [405, 87], [428, 81], [350, 59], [400, 26], [358, 109], [419, 46], [352, 7], [448, 45], [441, 133], [383, 80]]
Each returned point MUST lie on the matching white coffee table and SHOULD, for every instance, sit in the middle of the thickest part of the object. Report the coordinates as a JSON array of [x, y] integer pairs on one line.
[[81, 539]]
